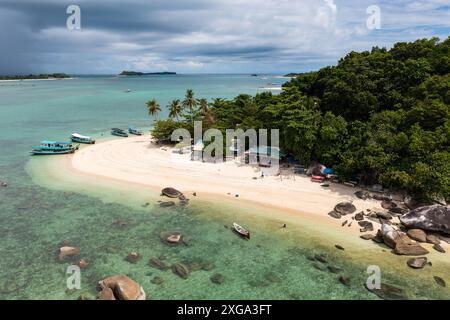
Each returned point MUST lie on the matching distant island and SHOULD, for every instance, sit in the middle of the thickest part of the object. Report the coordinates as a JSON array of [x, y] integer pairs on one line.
[[134, 73], [35, 76]]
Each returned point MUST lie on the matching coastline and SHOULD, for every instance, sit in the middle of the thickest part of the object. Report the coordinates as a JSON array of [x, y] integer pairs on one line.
[[307, 224], [50, 79]]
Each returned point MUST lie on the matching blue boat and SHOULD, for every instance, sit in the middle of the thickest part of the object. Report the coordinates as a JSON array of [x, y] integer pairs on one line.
[[135, 131], [119, 132], [54, 147]]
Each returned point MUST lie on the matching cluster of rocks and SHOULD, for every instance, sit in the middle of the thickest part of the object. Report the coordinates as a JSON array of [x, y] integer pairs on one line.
[[68, 253], [120, 287], [184, 269], [320, 262], [3, 184], [173, 193]]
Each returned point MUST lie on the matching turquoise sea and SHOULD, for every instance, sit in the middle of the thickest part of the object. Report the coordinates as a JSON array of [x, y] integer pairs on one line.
[[108, 222]]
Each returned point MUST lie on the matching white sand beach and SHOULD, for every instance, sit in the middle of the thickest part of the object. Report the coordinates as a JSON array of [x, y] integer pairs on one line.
[[136, 160]]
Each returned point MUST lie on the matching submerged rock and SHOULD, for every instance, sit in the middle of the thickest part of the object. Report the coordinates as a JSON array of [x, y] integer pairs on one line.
[[410, 249], [67, 252], [345, 208], [339, 247], [334, 269], [344, 280], [133, 257], [157, 280], [389, 292], [166, 204], [438, 248], [334, 214], [321, 258], [439, 281], [181, 270], [319, 266], [157, 263], [384, 215], [417, 263], [217, 278], [417, 234], [83, 264], [208, 266], [431, 218], [367, 236], [123, 288]]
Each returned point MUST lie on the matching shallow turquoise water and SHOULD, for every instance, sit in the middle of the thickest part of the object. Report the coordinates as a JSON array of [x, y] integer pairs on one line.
[[34, 219]]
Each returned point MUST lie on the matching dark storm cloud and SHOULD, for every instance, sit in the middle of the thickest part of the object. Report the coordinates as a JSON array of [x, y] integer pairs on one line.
[[200, 35]]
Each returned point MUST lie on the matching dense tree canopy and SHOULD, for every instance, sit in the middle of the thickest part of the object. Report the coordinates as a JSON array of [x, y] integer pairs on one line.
[[380, 116]]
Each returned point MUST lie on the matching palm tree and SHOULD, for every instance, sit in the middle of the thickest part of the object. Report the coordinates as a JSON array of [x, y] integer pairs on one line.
[[174, 109], [153, 107], [204, 106], [189, 101]]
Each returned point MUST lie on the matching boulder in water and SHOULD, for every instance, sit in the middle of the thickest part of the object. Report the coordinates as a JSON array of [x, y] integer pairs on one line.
[[388, 205], [166, 204], [438, 248], [344, 280], [439, 281], [432, 218], [389, 292], [417, 234], [157, 280], [359, 216], [181, 270], [217, 278], [123, 288], [157, 263], [133, 257], [83, 264], [417, 263], [106, 294], [344, 208], [67, 253], [410, 249], [431, 238], [171, 192]]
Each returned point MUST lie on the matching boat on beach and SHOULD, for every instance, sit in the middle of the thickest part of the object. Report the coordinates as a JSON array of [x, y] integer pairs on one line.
[[54, 147], [241, 231], [135, 131], [119, 132], [76, 137]]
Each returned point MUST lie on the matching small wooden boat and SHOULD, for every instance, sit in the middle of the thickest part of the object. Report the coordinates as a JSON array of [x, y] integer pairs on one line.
[[76, 137], [119, 132], [135, 131], [241, 231]]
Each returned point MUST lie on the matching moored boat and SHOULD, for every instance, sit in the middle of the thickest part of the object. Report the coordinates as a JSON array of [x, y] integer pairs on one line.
[[241, 231], [43, 152], [119, 132], [76, 137], [54, 147], [134, 131]]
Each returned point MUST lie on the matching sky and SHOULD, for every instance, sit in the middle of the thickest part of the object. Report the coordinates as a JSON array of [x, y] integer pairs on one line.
[[205, 36]]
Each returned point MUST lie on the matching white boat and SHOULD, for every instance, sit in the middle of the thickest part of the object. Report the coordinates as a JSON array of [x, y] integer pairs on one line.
[[241, 230], [76, 137]]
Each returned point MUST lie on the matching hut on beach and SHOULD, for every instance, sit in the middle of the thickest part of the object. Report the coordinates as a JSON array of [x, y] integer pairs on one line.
[[265, 156]]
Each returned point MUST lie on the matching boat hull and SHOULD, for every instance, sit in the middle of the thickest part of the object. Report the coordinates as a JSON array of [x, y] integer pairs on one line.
[[83, 141], [118, 134], [50, 153], [241, 231]]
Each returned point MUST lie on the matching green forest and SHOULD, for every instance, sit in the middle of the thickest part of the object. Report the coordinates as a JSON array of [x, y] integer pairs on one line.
[[381, 115]]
